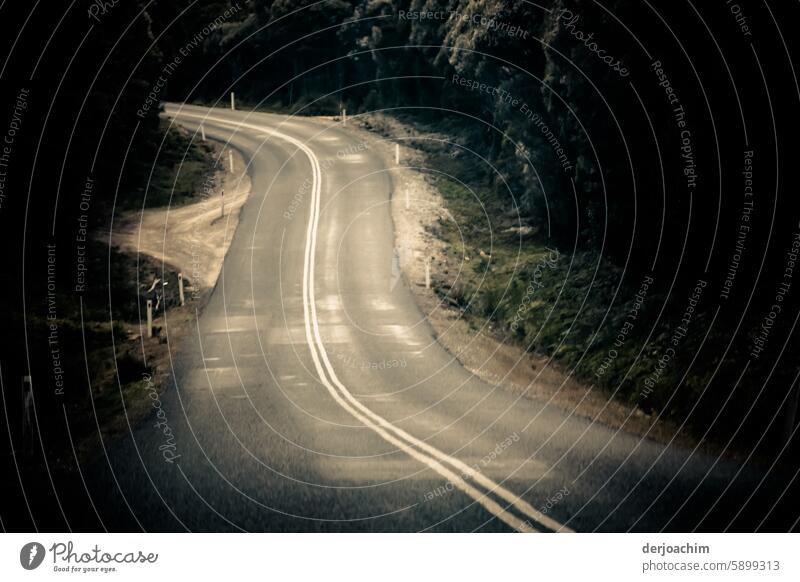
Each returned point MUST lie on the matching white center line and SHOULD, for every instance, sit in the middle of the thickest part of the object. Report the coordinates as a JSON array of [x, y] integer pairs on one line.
[[394, 435]]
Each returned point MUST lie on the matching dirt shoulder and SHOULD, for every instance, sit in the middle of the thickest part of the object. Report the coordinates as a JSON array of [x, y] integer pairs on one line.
[[418, 209], [192, 238], [156, 245]]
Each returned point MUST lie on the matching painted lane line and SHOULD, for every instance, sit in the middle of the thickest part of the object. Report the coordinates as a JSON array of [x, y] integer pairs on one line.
[[309, 311], [311, 318], [310, 315], [465, 469], [346, 400]]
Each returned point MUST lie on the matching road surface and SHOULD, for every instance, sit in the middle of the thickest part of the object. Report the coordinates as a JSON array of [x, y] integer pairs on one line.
[[314, 397]]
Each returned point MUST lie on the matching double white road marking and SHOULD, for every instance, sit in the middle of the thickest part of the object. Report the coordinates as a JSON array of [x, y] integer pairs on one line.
[[515, 512]]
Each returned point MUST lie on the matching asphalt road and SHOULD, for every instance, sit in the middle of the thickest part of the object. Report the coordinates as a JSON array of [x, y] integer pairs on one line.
[[314, 396]]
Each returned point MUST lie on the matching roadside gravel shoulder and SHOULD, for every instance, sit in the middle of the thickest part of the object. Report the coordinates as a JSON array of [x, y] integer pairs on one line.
[[191, 239], [417, 207]]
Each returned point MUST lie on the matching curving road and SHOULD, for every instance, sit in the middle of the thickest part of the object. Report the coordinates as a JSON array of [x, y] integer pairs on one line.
[[314, 396]]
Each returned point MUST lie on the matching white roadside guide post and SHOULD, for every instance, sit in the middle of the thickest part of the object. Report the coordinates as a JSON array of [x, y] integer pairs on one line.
[[427, 273], [27, 409], [344, 116], [180, 289], [397, 163], [233, 102], [27, 403], [203, 132], [230, 159], [149, 318]]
